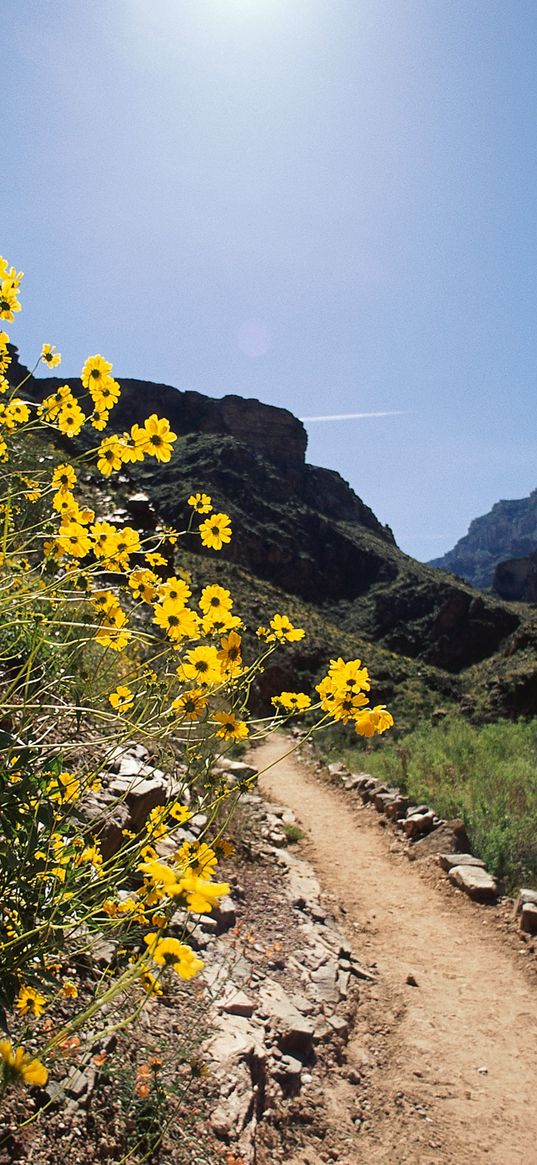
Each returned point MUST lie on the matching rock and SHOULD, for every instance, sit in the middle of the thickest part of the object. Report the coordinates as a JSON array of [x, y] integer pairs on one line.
[[381, 801], [81, 1083], [101, 950], [446, 838], [525, 897], [396, 808], [236, 1002], [336, 769], [448, 861], [369, 791], [236, 1039], [339, 1026], [528, 918], [321, 1031], [325, 979], [288, 1072], [127, 754], [197, 823], [294, 1031], [224, 914], [342, 983], [476, 882], [141, 793], [418, 823], [108, 819]]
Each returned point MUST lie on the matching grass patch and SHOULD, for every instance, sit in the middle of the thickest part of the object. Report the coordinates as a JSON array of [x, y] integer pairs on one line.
[[293, 833], [487, 775]]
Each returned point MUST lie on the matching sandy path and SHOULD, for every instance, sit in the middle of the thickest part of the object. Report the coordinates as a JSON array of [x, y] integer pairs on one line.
[[451, 1064]]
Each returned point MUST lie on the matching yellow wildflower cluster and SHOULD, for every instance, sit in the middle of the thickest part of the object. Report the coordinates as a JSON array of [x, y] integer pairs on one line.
[[115, 641], [342, 696]]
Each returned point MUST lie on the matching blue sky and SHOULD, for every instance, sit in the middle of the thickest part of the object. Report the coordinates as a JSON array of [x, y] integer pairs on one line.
[[325, 204]]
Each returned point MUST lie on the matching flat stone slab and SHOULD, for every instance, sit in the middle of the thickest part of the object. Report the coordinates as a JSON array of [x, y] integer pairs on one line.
[[448, 861], [476, 882]]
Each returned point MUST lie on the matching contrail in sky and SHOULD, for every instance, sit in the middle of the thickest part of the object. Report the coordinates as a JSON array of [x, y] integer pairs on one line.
[[355, 416]]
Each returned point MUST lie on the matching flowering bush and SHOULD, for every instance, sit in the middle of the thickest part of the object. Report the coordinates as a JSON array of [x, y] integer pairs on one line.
[[103, 642]]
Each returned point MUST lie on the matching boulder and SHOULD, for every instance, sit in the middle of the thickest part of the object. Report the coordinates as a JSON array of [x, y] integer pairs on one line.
[[476, 882], [448, 837]]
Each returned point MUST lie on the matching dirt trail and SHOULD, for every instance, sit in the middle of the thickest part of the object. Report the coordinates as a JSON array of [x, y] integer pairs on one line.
[[450, 1064]]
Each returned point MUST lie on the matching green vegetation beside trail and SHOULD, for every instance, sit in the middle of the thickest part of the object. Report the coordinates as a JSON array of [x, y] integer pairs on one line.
[[487, 775]]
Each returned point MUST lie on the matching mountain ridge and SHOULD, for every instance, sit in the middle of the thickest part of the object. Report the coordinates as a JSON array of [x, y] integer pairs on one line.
[[507, 531]]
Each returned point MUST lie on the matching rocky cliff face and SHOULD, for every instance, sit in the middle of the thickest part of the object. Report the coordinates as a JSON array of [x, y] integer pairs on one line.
[[302, 528], [508, 531], [516, 579]]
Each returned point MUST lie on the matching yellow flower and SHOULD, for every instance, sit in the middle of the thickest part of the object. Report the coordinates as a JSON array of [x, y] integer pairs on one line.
[[373, 720], [13, 414], [95, 371], [350, 675], [292, 701], [127, 542], [150, 983], [215, 623], [230, 727], [167, 952], [17, 1065], [109, 455], [64, 477], [93, 855], [158, 439], [50, 356], [201, 895], [178, 622], [64, 787], [29, 999], [180, 813], [201, 666], [230, 654], [106, 394], [191, 705], [215, 531], [9, 303], [156, 559], [215, 599], [99, 418], [69, 990], [122, 699], [73, 539], [196, 857], [70, 420], [174, 590], [111, 633], [143, 584], [104, 535], [65, 503], [280, 630], [201, 503]]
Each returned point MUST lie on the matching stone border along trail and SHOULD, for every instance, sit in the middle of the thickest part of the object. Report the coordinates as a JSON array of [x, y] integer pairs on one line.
[[445, 1039]]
